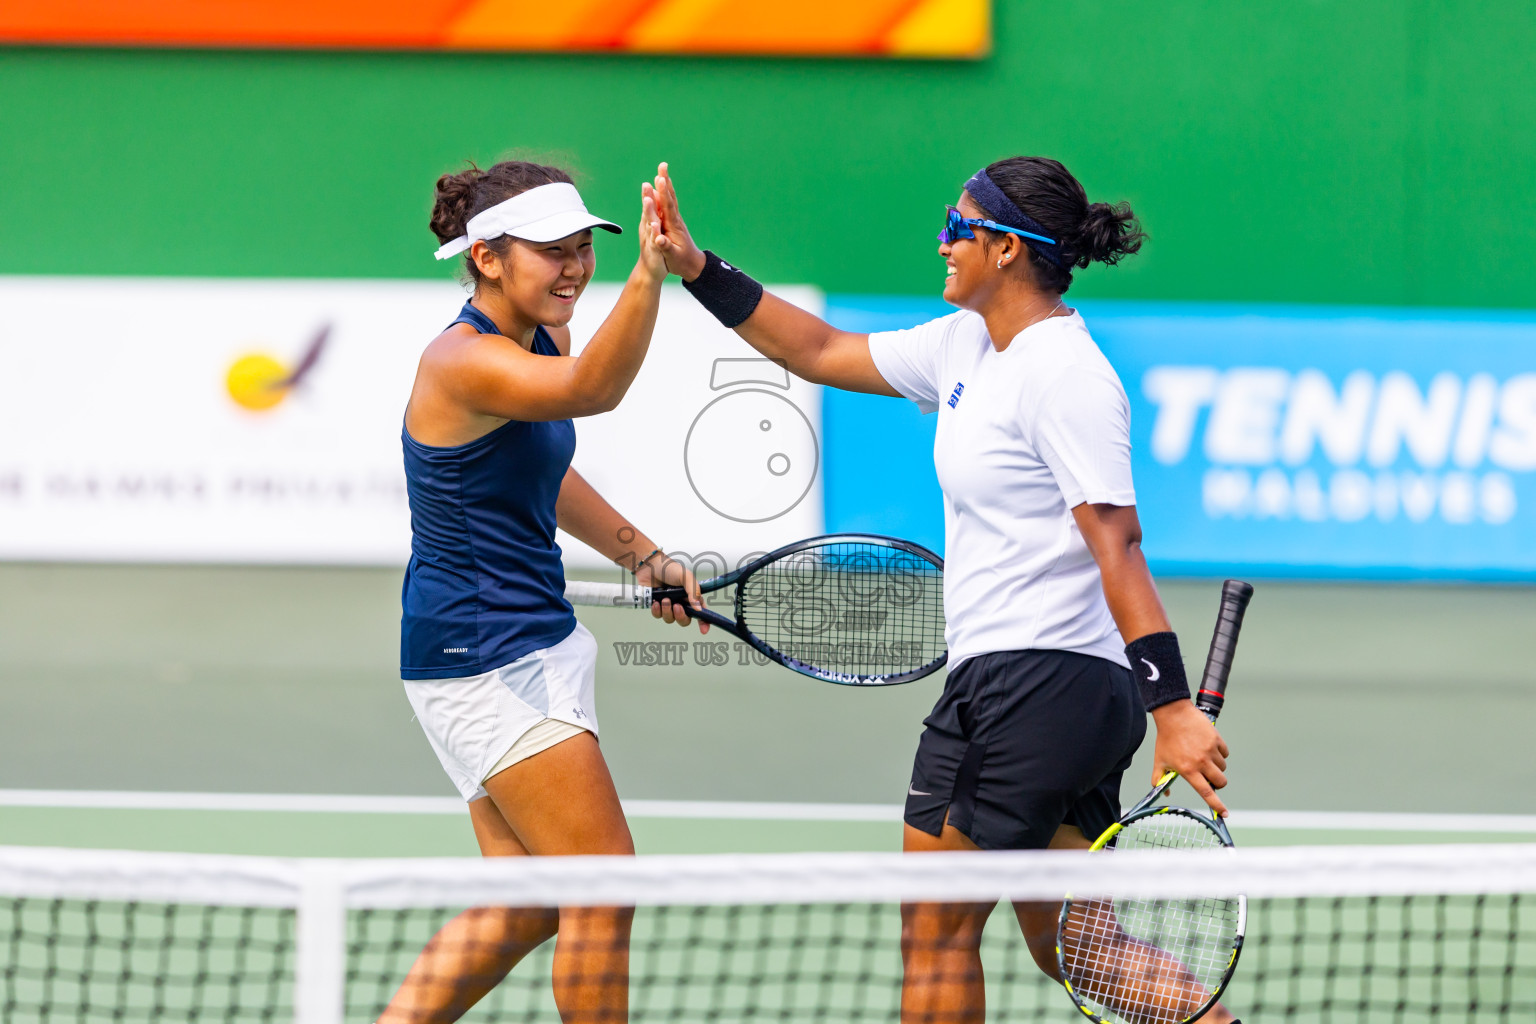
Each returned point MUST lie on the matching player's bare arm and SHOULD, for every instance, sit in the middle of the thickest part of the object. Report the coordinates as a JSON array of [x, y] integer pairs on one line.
[[587, 516], [1187, 742], [469, 383], [806, 345]]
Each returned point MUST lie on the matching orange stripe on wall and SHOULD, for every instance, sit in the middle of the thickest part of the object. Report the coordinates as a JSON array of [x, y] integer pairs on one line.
[[775, 26], [942, 28], [667, 23], [531, 25], [228, 22], [912, 27]]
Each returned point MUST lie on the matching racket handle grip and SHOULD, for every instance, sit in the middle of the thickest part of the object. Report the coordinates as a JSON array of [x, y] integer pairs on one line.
[[607, 595], [1235, 595]]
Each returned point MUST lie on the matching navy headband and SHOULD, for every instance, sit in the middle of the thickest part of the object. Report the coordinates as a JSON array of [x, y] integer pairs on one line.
[[994, 201]]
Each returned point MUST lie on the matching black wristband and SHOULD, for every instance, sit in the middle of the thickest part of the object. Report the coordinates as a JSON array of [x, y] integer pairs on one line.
[[1159, 669], [725, 291]]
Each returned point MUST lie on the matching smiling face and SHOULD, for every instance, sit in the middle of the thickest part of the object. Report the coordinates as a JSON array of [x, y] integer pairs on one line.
[[540, 281], [972, 275]]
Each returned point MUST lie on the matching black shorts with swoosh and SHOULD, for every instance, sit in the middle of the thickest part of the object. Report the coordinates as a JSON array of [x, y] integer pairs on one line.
[[1022, 742]]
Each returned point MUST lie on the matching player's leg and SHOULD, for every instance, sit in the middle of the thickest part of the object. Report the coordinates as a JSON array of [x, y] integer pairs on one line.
[[941, 980], [471, 953], [1038, 920], [1095, 943], [1095, 946], [1124, 973], [562, 802], [1071, 725]]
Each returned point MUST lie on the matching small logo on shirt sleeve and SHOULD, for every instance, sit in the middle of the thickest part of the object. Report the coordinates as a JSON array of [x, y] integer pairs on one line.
[[954, 398]]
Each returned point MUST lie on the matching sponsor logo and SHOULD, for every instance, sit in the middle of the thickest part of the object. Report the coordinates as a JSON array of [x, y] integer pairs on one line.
[[1154, 675], [954, 397], [455, 650], [1301, 445], [914, 791], [258, 381]]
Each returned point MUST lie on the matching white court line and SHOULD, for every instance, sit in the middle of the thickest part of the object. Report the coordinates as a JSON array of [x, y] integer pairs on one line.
[[749, 810], [125, 800], [122, 800], [1382, 821], [1325, 821]]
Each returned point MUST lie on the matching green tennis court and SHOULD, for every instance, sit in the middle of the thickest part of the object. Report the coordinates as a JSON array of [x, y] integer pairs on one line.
[[1403, 701], [257, 711]]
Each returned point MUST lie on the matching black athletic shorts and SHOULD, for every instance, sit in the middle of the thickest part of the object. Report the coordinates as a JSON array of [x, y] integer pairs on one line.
[[1022, 742]]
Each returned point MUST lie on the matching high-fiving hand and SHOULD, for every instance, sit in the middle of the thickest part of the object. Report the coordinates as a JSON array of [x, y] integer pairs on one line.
[[653, 257], [683, 256]]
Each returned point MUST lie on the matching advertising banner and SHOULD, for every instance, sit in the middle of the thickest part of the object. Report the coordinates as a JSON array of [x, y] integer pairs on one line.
[[893, 28], [1331, 442], [259, 421], [1283, 441]]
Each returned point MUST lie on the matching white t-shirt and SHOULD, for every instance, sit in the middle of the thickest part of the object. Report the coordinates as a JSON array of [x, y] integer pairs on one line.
[[1024, 435]]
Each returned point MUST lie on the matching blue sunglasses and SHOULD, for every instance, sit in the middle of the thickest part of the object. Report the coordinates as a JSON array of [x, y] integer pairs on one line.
[[957, 226]]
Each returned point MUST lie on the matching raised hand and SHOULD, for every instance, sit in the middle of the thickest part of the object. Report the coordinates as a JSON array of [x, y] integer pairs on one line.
[[653, 257], [684, 257]]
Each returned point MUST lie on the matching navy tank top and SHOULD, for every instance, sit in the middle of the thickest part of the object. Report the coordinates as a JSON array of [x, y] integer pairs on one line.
[[485, 584]]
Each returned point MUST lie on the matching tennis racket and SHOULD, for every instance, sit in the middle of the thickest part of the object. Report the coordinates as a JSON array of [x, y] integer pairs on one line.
[[852, 608], [1160, 961]]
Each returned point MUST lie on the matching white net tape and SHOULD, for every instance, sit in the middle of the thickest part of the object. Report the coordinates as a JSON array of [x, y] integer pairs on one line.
[[1370, 933], [713, 879]]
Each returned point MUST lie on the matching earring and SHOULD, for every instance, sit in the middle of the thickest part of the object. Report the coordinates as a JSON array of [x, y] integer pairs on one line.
[[1000, 263]]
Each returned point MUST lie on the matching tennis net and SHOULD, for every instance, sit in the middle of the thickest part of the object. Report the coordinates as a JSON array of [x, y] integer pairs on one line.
[[1361, 934]]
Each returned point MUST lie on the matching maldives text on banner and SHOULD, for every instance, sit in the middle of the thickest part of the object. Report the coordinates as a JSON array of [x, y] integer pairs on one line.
[[259, 421], [1292, 441]]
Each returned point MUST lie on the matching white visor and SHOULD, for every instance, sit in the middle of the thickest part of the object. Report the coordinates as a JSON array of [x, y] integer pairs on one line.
[[544, 214]]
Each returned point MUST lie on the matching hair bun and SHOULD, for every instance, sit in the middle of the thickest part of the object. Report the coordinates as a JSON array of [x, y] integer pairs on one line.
[[1108, 234], [453, 202], [460, 196]]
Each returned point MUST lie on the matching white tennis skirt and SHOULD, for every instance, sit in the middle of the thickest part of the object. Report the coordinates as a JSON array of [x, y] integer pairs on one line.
[[471, 721]]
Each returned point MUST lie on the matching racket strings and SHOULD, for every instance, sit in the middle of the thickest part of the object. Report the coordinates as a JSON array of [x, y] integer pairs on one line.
[[849, 607], [1151, 961]]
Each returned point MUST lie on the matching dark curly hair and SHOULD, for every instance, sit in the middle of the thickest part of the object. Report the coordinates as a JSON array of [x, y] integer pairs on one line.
[[1088, 232], [460, 196]]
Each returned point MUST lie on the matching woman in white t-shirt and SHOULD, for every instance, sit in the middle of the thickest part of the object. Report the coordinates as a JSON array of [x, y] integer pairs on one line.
[[1058, 642]]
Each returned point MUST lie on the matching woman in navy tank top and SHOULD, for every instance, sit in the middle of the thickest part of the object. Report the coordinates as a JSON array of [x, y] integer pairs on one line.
[[496, 666]]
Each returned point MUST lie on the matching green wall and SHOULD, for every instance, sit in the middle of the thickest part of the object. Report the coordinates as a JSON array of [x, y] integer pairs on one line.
[[1337, 151]]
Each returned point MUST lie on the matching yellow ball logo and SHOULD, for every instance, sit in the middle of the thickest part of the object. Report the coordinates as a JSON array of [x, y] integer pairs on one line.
[[258, 382]]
